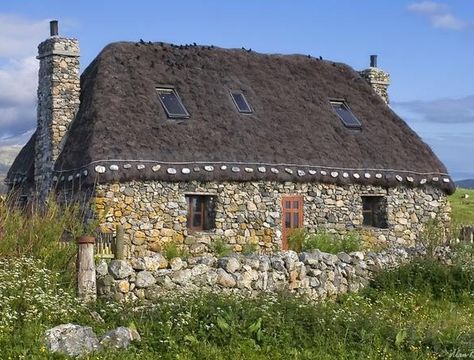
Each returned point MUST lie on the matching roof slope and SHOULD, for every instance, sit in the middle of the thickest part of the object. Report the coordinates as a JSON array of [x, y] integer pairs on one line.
[[121, 131], [23, 167]]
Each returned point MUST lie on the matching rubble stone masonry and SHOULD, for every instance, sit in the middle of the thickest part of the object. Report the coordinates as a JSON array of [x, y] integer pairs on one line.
[[58, 102], [154, 213], [379, 80]]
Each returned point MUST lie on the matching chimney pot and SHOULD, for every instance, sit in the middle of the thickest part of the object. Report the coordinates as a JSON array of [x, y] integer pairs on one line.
[[373, 60], [53, 28]]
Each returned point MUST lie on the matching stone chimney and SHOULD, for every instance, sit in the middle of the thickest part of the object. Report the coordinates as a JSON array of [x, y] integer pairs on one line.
[[58, 102], [377, 78]]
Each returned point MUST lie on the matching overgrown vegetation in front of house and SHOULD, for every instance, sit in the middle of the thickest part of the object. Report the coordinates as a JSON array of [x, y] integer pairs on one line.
[[46, 234], [423, 310], [300, 240]]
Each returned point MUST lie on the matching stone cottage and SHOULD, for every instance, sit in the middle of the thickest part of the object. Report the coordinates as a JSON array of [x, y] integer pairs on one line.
[[191, 143]]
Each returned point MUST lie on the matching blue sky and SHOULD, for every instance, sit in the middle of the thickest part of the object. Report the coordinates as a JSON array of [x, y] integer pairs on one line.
[[426, 46]]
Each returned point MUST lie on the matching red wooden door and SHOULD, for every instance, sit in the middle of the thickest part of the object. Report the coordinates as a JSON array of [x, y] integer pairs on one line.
[[292, 217]]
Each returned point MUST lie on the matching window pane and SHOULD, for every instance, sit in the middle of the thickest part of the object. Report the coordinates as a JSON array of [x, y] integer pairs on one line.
[[346, 115], [172, 104], [296, 220], [241, 103], [287, 204], [296, 204], [201, 214], [366, 204], [209, 213], [197, 203], [197, 220], [374, 209], [368, 218], [288, 220]]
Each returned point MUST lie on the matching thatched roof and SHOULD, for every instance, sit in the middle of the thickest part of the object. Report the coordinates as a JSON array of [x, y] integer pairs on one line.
[[121, 131], [23, 168]]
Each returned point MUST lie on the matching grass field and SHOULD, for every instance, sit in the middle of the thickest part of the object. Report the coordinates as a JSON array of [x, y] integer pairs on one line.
[[462, 208], [423, 310]]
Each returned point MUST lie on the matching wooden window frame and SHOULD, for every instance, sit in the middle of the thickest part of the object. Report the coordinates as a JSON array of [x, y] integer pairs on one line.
[[204, 210], [375, 203], [284, 211]]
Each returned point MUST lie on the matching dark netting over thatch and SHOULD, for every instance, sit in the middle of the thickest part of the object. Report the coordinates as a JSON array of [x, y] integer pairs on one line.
[[23, 168], [121, 131]]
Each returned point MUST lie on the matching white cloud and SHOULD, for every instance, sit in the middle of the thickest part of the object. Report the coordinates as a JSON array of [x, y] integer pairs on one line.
[[18, 81], [428, 7], [19, 38], [439, 15], [447, 21], [448, 111]]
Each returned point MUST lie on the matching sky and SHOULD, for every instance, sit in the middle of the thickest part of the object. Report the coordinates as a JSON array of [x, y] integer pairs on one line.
[[426, 46]]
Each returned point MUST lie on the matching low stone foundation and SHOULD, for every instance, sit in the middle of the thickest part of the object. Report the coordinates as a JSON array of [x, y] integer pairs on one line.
[[317, 275]]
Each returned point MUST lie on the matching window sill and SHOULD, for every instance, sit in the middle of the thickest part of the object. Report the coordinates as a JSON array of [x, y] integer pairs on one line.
[[368, 227], [203, 232]]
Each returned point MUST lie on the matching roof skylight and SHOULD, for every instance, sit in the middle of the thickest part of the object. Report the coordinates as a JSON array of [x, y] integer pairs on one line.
[[172, 104], [345, 114], [241, 102]]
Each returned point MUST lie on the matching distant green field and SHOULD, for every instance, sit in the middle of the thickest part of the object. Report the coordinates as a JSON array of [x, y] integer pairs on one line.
[[462, 208]]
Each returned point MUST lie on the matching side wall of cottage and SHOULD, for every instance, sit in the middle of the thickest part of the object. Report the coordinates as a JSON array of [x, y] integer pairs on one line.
[[154, 213]]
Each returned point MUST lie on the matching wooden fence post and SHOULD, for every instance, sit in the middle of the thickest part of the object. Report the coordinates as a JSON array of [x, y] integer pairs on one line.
[[467, 234], [119, 243], [86, 277]]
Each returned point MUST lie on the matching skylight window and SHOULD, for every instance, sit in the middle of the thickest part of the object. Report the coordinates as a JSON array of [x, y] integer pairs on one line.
[[172, 104], [345, 114], [241, 102]]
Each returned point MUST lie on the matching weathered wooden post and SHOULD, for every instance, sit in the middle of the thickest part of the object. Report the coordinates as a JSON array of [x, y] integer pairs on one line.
[[119, 243], [86, 277], [467, 234]]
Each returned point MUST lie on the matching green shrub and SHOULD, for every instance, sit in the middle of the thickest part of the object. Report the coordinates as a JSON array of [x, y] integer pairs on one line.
[[322, 240], [428, 276], [351, 241], [296, 239], [171, 250], [248, 249], [432, 236], [463, 255], [220, 248], [300, 240]]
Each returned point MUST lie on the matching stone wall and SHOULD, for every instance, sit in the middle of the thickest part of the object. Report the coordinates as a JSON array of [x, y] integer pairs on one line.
[[317, 275], [154, 213], [58, 102], [379, 80]]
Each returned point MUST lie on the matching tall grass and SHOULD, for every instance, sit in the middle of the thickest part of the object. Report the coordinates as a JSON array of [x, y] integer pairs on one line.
[[47, 235]]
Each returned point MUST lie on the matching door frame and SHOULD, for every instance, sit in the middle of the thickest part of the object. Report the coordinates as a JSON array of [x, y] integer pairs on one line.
[[284, 230]]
